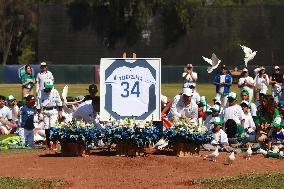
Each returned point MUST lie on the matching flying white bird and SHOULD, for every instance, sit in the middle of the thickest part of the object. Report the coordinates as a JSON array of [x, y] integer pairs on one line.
[[65, 94], [231, 158], [249, 55], [213, 155], [214, 62], [248, 153]]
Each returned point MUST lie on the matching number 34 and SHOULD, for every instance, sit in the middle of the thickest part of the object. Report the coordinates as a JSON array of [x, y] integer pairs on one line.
[[135, 89]]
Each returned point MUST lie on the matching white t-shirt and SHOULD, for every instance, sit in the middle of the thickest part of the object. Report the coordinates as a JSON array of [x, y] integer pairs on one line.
[[40, 78], [188, 78], [50, 99], [222, 80], [195, 97], [220, 137], [253, 109], [130, 90], [245, 87], [14, 116], [261, 83], [84, 111], [233, 112], [249, 123], [5, 113], [179, 109]]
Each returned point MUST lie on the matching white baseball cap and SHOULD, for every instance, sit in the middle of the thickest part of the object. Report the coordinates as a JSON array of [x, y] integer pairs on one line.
[[215, 107], [232, 95], [244, 102], [43, 64], [245, 70], [192, 84], [276, 67], [187, 91]]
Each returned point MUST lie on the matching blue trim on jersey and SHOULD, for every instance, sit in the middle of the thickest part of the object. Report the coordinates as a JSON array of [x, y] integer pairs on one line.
[[108, 96]]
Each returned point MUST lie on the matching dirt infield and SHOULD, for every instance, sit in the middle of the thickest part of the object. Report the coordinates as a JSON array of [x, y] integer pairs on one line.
[[155, 171]]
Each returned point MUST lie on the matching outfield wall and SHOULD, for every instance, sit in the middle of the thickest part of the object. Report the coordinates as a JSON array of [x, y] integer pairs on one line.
[[90, 73]]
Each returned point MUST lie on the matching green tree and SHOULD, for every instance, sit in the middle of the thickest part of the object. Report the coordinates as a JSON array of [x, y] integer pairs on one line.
[[16, 17]]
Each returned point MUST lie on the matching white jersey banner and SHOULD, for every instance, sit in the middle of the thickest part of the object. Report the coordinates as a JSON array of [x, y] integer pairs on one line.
[[130, 88]]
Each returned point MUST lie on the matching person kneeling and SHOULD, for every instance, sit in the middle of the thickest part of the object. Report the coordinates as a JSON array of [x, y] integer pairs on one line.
[[220, 138], [276, 134]]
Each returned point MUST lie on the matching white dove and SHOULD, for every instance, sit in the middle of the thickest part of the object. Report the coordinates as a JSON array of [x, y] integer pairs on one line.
[[249, 55], [281, 154], [213, 155], [248, 153], [231, 158], [214, 62], [262, 151], [65, 94], [275, 149], [162, 143]]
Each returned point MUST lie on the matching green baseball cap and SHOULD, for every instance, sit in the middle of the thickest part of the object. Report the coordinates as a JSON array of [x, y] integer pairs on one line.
[[245, 92], [218, 121], [232, 96], [48, 84]]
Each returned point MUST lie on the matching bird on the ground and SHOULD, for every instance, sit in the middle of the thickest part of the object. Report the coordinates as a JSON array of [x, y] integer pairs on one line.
[[231, 158], [248, 153], [263, 152], [275, 149], [161, 144], [249, 54], [214, 62], [213, 155]]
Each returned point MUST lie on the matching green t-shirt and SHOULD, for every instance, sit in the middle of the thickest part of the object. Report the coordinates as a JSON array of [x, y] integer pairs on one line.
[[265, 117], [26, 77]]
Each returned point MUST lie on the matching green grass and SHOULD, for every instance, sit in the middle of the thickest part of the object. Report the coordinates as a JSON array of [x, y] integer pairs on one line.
[[170, 90], [248, 181], [11, 183]]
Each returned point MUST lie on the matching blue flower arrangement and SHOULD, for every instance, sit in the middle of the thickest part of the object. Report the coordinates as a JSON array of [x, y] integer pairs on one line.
[[77, 132], [127, 131], [187, 132]]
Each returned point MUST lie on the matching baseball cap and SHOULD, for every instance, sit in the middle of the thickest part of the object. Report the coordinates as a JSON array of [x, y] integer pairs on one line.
[[93, 88], [43, 64], [281, 103], [10, 98], [30, 98], [232, 95], [262, 92], [189, 65], [244, 91], [245, 70], [215, 108], [192, 85], [218, 121], [277, 121], [223, 66], [262, 68], [187, 91], [276, 67], [244, 103], [48, 84]]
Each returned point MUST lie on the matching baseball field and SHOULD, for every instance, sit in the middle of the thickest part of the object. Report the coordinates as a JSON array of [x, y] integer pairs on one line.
[[36, 168]]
